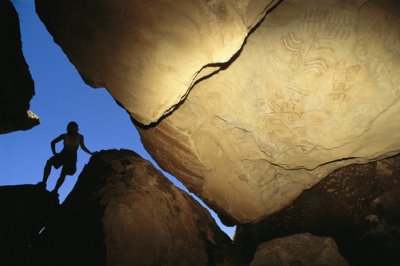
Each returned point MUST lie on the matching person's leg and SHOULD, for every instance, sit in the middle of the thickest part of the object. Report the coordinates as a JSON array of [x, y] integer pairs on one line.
[[60, 181], [46, 172]]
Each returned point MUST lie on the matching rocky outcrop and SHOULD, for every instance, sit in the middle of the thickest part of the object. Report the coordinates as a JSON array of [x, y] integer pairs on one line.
[[149, 54], [359, 206], [16, 84], [315, 88], [24, 211], [122, 211], [301, 249]]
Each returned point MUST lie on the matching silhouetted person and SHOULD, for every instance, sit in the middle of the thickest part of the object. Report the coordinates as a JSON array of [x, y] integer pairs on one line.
[[67, 157]]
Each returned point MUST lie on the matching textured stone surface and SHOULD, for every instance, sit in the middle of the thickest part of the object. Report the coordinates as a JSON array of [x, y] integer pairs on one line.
[[149, 53], [301, 249], [16, 84], [123, 211], [316, 87], [358, 206]]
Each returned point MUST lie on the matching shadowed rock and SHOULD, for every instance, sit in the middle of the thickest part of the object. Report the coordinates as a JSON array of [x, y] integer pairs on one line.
[[358, 206], [298, 250], [16, 84], [24, 211], [122, 211]]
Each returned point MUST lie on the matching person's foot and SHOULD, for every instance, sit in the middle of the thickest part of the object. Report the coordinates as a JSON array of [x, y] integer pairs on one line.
[[41, 185]]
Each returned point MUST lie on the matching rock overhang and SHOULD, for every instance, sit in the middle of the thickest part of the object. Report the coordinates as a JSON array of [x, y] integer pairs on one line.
[[314, 88]]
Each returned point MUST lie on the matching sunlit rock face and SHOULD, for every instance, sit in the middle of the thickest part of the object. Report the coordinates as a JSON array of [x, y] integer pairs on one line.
[[300, 249], [122, 211], [316, 87], [149, 53], [16, 84]]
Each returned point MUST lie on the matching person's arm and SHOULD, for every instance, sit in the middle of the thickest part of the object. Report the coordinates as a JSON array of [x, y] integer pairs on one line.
[[82, 143], [53, 143]]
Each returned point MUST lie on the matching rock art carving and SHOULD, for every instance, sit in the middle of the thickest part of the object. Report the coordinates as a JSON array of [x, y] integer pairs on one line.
[[315, 88]]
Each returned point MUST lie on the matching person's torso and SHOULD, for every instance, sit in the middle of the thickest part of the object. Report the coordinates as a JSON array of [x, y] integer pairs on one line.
[[71, 142]]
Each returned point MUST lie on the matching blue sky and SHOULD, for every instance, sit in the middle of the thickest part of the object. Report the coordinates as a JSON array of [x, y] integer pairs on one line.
[[62, 96]]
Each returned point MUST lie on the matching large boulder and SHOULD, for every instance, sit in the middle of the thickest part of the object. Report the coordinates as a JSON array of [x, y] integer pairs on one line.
[[16, 84], [298, 250], [122, 211], [149, 53], [315, 88], [311, 88], [358, 206]]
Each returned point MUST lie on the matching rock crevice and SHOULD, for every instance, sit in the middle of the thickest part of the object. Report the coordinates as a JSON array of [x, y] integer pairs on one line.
[[154, 51], [123, 211]]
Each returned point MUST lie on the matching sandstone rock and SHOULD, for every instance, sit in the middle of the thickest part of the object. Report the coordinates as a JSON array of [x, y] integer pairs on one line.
[[315, 88], [122, 211], [16, 84], [149, 53], [24, 211], [301, 249], [358, 206]]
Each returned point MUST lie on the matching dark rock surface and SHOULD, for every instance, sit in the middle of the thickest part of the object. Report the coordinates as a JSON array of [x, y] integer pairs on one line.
[[122, 211], [24, 210], [16, 84], [358, 206], [300, 249]]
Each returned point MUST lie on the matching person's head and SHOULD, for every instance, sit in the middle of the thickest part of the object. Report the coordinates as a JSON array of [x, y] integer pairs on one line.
[[72, 127]]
